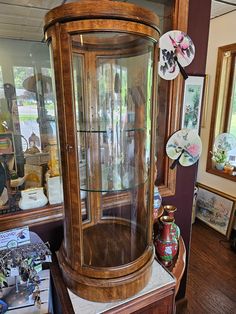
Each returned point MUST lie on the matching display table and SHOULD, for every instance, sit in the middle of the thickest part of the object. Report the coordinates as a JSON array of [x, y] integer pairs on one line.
[[179, 265], [157, 297], [22, 302]]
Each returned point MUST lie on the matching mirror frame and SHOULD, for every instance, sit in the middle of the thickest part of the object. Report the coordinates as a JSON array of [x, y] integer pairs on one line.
[[173, 112], [217, 113]]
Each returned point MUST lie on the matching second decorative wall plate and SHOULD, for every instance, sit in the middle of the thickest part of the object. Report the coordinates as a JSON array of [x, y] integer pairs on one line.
[[225, 141], [185, 147]]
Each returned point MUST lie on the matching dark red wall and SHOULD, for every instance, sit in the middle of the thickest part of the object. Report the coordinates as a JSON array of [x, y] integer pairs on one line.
[[198, 29]]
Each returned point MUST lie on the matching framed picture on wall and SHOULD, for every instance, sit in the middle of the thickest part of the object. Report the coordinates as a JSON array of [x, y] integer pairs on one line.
[[192, 101], [215, 208]]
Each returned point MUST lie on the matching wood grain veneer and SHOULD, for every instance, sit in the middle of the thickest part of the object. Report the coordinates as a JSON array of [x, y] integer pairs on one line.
[[101, 259]]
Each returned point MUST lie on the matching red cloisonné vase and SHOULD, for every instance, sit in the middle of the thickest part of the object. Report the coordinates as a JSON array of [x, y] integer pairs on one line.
[[170, 211], [166, 243]]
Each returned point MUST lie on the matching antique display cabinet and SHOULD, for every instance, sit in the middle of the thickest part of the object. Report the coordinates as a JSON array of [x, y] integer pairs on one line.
[[104, 59]]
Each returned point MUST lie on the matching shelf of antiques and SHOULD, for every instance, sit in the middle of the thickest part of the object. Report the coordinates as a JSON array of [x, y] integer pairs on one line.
[[106, 118], [30, 192], [29, 164]]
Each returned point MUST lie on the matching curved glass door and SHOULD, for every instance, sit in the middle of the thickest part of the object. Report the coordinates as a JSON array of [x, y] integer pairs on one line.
[[113, 134]]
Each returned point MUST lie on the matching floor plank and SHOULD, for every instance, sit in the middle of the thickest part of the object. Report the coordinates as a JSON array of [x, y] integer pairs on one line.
[[211, 284]]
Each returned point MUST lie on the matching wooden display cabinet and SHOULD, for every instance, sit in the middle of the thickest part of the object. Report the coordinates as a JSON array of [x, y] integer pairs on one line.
[[105, 75]]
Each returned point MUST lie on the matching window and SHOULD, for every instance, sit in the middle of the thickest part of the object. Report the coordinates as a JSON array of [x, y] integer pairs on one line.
[[26, 102], [224, 107], [232, 110]]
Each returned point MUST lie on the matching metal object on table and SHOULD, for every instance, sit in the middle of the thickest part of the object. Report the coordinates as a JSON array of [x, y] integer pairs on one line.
[[15, 298]]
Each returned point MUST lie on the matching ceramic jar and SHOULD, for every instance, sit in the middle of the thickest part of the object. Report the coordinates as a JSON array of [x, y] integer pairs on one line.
[[219, 166], [228, 168], [170, 211], [32, 198], [165, 243]]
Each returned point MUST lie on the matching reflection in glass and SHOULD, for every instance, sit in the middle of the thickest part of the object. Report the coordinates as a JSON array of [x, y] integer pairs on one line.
[[27, 124]]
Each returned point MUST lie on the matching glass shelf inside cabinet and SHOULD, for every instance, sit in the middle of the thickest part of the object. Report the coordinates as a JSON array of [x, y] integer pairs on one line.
[[112, 179], [108, 160], [103, 127]]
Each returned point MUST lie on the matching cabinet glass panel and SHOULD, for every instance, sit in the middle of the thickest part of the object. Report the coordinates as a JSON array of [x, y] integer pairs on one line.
[[78, 67], [113, 136]]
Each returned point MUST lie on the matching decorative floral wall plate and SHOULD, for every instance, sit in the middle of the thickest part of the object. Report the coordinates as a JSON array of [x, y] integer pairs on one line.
[[225, 141], [185, 147], [176, 50]]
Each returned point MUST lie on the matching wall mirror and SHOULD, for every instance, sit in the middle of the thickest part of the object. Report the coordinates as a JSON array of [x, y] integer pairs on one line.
[[21, 60], [224, 108]]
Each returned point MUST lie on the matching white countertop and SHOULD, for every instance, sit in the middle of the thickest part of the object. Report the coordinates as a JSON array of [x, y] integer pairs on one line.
[[159, 279]]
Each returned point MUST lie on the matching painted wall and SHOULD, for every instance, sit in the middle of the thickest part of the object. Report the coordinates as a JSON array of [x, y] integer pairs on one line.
[[222, 32], [198, 27]]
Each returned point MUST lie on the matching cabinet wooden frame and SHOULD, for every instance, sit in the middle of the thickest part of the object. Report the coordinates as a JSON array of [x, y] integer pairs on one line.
[[31, 217]]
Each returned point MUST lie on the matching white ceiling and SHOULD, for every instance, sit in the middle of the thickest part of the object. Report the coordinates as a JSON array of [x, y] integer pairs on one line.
[[220, 7], [24, 19]]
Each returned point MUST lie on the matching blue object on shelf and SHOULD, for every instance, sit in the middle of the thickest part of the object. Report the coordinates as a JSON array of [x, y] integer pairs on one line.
[[3, 307]]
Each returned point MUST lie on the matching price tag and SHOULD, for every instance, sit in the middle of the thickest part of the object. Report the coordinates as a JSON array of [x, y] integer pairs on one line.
[[48, 259], [14, 237], [38, 267], [14, 271]]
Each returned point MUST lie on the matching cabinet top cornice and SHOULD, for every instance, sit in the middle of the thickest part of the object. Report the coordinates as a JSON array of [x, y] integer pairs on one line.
[[107, 10]]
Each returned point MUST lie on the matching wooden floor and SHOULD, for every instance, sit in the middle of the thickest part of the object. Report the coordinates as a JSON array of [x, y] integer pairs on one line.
[[211, 286]]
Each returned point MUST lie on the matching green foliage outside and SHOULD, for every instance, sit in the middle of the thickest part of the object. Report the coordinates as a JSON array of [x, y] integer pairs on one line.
[[20, 74], [28, 117], [1, 79], [29, 103], [233, 124]]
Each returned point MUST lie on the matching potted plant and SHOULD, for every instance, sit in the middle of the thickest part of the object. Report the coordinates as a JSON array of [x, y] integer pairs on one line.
[[219, 156]]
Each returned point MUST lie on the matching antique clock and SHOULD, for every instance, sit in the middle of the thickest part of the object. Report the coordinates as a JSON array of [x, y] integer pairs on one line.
[[104, 56]]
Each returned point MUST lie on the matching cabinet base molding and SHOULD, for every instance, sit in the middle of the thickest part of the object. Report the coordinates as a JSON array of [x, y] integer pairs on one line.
[[105, 290]]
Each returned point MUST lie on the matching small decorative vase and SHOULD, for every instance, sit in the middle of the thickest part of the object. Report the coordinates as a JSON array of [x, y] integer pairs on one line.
[[219, 166], [170, 211], [228, 168], [166, 244]]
